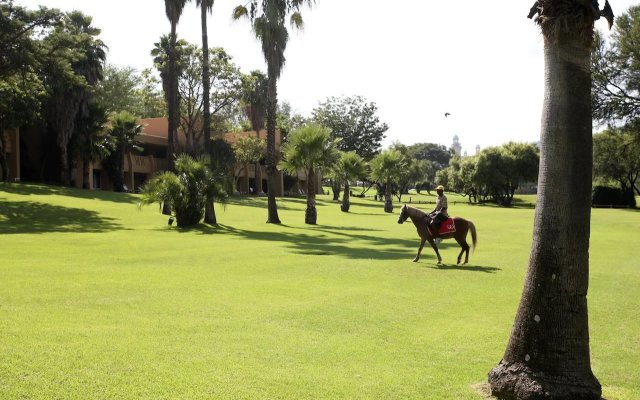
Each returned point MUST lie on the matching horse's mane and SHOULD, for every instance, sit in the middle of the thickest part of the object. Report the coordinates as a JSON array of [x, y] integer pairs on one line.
[[416, 212]]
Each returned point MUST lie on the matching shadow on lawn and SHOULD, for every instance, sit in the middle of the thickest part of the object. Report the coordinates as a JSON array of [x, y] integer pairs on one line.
[[34, 217], [468, 267], [301, 243], [45, 190]]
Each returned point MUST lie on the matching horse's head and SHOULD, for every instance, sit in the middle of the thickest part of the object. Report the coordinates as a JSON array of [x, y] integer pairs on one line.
[[404, 214]]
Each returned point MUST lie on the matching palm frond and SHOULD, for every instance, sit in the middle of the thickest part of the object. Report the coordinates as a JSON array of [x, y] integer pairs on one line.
[[239, 12], [296, 20]]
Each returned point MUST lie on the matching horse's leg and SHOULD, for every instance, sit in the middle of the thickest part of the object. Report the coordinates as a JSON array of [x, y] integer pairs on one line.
[[422, 240], [435, 248], [464, 247]]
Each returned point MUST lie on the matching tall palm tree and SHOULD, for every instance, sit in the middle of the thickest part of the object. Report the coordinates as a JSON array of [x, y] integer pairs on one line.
[[351, 166], [173, 9], [268, 23], [205, 7], [92, 140], [125, 128], [312, 149], [548, 352], [385, 168]]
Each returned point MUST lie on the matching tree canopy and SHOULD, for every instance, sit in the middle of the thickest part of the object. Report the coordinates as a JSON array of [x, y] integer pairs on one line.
[[355, 121]]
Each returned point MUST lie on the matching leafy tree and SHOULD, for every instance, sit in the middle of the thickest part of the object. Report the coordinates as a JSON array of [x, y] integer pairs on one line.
[[19, 50], [548, 352], [312, 149], [268, 24], [117, 91], [254, 103], [616, 157], [287, 120], [188, 190], [386, 168], [616, 71], [355, 122], [437, 156], [74, 68], [125, 127], [153, 102], [92, 140], [350, 166], [247, 150], [222, 162], [21, 96]]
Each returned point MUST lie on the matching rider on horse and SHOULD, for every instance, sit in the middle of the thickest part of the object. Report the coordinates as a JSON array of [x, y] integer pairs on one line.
[[439, 213]]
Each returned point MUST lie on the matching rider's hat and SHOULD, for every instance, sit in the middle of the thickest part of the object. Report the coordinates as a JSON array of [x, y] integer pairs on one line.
[[440, 187]]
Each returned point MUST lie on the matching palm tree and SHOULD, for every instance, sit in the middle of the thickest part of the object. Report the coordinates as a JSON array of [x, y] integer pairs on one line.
[[547, 356], [268, 24], [254, 97], [247, 150], [173, 9], [310, 148], [125, 128], [71, 94], [205, 7], [385, 168], [92, 140], [188, 190], [350, 166]]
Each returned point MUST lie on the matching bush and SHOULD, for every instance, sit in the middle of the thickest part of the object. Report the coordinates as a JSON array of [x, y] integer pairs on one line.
[[610, 196]]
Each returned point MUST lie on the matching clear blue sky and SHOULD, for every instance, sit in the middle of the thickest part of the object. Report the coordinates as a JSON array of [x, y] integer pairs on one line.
[[480, 62]]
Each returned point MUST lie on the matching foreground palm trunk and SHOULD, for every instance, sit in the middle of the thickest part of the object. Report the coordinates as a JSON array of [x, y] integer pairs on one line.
[[344, 207], [272, 102], [311, 214], [547, 356], [209, 212]]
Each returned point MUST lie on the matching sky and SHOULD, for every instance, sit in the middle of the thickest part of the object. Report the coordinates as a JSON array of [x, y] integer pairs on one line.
[[416, 59]]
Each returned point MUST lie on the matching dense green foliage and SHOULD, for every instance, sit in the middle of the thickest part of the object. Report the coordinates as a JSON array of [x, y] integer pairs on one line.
[[252, 310], [494, 174], [355, 122], [616, 158], [187, 190]]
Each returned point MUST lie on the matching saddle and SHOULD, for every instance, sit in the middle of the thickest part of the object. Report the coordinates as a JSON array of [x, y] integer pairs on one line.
[[447, 226]]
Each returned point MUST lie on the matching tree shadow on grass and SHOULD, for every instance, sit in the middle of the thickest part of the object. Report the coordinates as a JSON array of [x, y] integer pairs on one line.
[[312, 244], [44, 190], [34, 217]]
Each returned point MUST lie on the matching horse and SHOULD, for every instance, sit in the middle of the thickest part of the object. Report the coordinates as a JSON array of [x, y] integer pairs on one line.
[[419, 219]]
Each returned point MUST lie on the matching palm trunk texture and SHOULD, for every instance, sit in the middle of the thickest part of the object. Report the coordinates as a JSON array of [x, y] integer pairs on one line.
[[172, 104], [345, 198], [547, 356], [272, 102], [311, 213], [209, 212]]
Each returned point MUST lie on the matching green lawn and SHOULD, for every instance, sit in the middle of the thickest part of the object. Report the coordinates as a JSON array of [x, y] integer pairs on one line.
[[99, 300]]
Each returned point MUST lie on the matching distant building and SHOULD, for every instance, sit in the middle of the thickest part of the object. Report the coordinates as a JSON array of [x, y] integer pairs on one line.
[[477, 149], [26, 151], [456, 146]]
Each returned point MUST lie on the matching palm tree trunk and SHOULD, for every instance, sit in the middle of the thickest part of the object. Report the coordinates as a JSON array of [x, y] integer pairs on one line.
[[548, 352], [311, 214], [3, 155], [345, 197], [272, 102], [172, 105], [209, 212], [388, 203]]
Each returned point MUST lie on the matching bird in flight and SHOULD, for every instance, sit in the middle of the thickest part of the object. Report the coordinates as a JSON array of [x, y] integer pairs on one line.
[[446, 114]]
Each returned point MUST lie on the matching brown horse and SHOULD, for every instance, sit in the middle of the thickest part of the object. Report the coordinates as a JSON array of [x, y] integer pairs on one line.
[[419, 219]]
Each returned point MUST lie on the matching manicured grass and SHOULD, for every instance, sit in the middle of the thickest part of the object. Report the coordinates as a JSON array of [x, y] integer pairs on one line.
[[100, 300]]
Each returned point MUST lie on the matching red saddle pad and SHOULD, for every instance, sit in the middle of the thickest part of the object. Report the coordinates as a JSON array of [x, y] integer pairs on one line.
[[447, 226]]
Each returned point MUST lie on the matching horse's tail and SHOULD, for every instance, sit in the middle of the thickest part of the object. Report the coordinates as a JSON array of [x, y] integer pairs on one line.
[[474, 236]]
